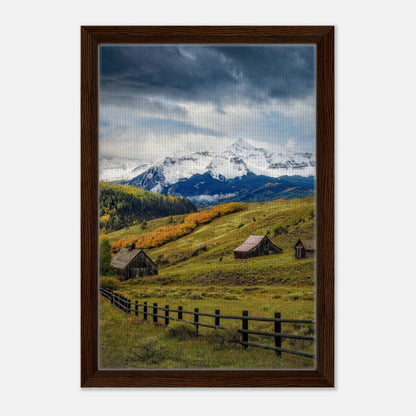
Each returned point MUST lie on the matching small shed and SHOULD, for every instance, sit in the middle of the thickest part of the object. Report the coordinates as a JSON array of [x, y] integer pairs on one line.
[[304, 249], [131, 262], [256, 245]]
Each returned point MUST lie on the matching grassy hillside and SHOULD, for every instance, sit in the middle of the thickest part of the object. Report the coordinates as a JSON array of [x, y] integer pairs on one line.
[[172, 232], [122, 206], [195, 258], [199, 271]]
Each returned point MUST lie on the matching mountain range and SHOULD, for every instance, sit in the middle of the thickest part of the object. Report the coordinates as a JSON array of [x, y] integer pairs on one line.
[[241, 172]]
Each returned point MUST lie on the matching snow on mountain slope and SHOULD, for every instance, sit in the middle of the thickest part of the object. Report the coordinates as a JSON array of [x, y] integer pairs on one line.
[[184, 167], [116, 169], [223, 167], [236, 161], [261, 162]]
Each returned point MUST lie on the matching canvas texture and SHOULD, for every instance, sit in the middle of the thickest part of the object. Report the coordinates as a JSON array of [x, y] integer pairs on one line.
[[207, 167]]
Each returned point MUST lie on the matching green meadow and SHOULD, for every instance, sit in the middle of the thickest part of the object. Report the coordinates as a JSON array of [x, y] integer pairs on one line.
[[199, 271]]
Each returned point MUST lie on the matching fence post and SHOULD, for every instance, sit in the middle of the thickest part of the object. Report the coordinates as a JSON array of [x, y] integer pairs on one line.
[[128, 306], [112, 297], [136, 307], [166, 315], [245, 326], [217, 318], [196, 319], [144, 311], [155, 313], [278, 330], [180, 312]]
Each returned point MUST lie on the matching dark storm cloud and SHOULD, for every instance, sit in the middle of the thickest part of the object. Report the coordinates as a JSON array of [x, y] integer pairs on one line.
[[281, 72], [146, 75], [154, 99]]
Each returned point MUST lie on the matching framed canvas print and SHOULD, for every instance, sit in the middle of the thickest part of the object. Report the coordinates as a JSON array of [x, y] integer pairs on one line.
[[207, 231]]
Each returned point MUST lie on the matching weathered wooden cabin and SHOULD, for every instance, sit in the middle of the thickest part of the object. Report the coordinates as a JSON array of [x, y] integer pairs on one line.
[[131, 262], [256, 245], [304, 249]]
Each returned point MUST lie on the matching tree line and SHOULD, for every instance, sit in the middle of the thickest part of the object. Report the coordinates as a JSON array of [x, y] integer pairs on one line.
[[122, 206]]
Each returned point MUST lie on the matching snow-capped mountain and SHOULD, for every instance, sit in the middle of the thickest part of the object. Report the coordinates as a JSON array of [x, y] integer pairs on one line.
[[208, 176], [241, 172], [261, 162], [117, 169], [236, 161]]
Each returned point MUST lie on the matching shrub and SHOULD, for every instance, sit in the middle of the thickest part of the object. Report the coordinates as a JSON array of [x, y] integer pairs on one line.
[[167, 233], [307, 330], [280, 229], [144, 295], [109, 283], [135, 281], [198, 250], [240, 225], [118, 245], [195, 296], [182, 331], [224, 338], [160, 259], [150, 350]]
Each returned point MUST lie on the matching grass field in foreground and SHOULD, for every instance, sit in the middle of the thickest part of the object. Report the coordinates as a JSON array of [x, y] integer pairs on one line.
[[295, 302], [127, 342]]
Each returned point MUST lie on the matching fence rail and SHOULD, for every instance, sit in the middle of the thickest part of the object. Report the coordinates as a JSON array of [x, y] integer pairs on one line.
[[151, 311]]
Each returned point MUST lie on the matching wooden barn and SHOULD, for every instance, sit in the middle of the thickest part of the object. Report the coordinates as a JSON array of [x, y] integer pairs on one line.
[[131, 262], [256, 245], [304, 249]]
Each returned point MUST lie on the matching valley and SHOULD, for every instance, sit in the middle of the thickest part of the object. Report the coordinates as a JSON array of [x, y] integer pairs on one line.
[[199, 271]]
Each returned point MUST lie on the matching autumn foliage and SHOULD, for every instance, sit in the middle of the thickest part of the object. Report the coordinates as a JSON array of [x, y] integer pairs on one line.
[[165, 234]]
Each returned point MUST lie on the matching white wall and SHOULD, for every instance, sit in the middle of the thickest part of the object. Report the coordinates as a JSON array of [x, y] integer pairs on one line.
[[375, 112]]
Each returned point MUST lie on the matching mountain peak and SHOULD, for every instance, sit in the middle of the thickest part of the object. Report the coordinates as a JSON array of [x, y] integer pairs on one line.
[[236, 161], [241, 144]]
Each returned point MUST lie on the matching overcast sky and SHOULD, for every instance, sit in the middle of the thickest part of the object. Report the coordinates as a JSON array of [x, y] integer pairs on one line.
[[157, 101]]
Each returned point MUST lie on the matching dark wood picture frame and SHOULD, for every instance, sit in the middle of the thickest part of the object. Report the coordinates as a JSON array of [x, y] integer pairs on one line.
[[323, 38]]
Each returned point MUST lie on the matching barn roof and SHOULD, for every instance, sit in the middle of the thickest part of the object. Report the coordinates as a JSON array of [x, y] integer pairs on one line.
[[124, 257], [308, 244], [251, 242]]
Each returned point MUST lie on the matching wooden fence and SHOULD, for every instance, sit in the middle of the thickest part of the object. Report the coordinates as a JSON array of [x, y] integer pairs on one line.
[[150, 314]]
